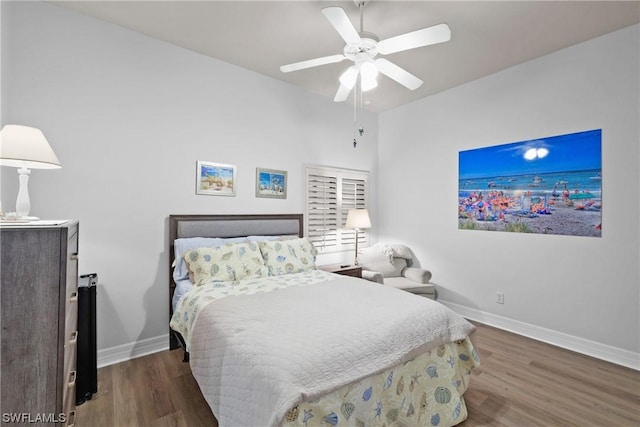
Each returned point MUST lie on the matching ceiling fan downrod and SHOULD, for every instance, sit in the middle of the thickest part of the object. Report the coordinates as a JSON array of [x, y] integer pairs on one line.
[[362, 33]]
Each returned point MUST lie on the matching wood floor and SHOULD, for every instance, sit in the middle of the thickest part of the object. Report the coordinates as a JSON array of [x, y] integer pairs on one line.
[[520, 383]]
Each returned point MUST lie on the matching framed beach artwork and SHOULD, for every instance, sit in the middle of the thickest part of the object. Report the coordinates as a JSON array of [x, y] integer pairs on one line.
[[271, 183], [549, 185], [215, 179]]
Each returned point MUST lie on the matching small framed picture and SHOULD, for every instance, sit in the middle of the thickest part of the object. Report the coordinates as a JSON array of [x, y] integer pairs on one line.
[[271, 183], [215, 179]]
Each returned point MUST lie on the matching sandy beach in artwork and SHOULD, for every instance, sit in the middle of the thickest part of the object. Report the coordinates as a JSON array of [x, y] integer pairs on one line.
[[561, 220], [539, 204]]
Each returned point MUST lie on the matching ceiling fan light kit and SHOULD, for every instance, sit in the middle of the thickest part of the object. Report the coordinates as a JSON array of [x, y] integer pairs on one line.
[[368, 73], [349, 77]]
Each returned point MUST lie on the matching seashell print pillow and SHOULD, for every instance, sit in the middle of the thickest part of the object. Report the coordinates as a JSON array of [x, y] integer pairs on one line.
[[227, 263], [182, 246], [288, 256], [186, 244]]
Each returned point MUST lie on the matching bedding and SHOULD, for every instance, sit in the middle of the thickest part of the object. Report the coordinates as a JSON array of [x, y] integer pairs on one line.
[[182, 287], [261, 347], [424, 390], [184, 279], [186, 312]]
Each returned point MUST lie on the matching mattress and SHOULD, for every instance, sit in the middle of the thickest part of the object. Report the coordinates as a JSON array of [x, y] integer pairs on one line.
[[318, 348]]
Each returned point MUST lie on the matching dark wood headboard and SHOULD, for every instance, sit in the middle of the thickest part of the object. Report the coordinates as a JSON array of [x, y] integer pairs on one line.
[[226, 226]]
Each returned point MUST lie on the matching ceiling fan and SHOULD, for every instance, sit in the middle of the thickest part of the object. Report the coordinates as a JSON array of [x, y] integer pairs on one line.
[[362, 47]]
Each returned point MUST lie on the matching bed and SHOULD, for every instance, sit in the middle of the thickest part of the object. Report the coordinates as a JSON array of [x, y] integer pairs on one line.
[[272, 340]]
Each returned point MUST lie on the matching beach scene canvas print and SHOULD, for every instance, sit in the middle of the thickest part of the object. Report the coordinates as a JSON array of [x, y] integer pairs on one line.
[[549, 185], [271, 183], [215, 179]]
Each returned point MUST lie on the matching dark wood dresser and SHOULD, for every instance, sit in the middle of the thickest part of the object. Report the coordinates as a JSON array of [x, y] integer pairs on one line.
[[39, 279]]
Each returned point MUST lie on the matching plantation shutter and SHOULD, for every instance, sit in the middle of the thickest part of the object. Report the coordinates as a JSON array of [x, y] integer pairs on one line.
[[322, 209], [353, 197], [330, 193]]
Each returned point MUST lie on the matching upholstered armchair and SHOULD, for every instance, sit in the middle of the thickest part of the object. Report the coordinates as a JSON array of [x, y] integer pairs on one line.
[[391, 265]]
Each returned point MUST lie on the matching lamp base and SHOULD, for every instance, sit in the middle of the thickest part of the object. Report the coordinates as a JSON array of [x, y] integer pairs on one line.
[[23, 204]]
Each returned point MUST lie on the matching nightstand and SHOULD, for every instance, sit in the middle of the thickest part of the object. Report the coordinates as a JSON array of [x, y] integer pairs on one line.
[[345, 270]]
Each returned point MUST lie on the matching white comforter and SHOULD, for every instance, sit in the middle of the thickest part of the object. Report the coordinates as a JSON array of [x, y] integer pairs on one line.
[[256, 356]]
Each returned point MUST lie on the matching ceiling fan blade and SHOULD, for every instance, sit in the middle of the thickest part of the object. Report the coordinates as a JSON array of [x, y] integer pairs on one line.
[[342, 94], [398, 74], [312, 63], [341, 23], [424, 37]]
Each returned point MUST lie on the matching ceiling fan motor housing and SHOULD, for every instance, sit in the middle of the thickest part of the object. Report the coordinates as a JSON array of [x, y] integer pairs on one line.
[[364, 50]]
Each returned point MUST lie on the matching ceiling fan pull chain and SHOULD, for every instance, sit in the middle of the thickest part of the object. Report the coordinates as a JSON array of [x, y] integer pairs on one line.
[[361, 128], [355, 115]]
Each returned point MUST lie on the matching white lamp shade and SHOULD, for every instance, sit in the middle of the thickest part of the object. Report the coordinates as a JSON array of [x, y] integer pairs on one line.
[[358, 218], [26, 147]]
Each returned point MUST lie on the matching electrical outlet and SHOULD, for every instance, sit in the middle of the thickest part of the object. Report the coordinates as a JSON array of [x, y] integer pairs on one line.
[[500, 297]]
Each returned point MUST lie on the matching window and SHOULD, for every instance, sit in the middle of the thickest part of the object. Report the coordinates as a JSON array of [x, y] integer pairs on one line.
[[330, 193]]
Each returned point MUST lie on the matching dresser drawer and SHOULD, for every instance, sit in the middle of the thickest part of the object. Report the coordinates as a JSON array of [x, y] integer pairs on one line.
[[69, 399], [71, 341], [71, 314], [72, 263]]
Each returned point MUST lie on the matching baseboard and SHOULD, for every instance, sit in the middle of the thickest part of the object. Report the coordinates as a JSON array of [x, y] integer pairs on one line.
[[601, 351], [121, 353], [124, 352]]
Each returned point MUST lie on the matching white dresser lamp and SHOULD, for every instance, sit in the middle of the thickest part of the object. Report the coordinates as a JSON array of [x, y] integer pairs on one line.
[[25, 148], [358, 219]]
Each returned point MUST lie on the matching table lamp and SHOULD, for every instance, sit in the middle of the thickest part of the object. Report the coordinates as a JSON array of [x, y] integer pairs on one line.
[[25, 148], [358, 219]]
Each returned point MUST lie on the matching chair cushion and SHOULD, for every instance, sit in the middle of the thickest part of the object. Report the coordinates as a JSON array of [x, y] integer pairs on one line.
[[374, 260], [409, 286]]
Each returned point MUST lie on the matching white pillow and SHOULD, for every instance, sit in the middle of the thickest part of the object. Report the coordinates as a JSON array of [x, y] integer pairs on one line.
[[262, 238]]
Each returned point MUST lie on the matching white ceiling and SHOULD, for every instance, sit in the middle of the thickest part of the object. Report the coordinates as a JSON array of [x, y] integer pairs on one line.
[[487, 36]]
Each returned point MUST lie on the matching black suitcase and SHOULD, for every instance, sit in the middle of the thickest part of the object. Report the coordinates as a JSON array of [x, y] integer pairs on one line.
[[87, 363]]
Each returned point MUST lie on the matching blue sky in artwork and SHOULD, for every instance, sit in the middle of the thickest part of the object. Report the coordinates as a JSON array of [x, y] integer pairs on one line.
[[563, 153], [268, 178], [217, 171], [265, 179]]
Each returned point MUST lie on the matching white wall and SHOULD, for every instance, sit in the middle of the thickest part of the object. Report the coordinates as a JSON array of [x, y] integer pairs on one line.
[[128, 117], [578, 289]]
